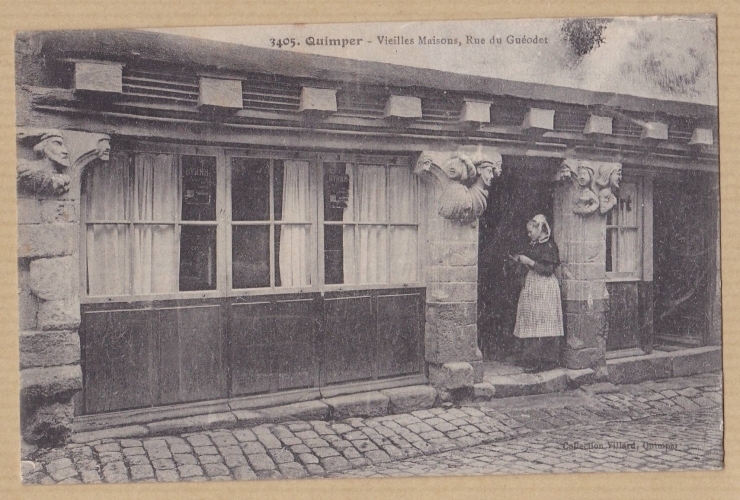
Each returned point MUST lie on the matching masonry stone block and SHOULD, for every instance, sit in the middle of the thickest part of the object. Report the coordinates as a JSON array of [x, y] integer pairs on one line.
[[639, 368], [27, 302], [576, 359], [450, 376], [58, 383], [585, 330], [49, 425], [447, 274], [54, 278], [478, 370], [60, 211], [460, 231], [452, 292], [483, 391], [49, 348], [364, 404], [29, 211], [305, 410], [703, 360], [446, 342], [59, 314], [411, 398], [461, 254], [47, 240]]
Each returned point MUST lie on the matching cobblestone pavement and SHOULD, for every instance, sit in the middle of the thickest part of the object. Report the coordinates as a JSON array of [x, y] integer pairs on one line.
[[680, 441], [507, 435]]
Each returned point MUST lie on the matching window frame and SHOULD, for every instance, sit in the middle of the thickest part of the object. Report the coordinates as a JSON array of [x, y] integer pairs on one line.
[[637, 274], [397, 161], [224, 222]]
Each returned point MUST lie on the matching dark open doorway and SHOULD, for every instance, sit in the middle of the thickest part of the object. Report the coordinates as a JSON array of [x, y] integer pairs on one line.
[[523, 190]]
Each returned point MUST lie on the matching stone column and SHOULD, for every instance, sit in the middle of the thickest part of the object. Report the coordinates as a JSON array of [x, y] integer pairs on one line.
[[580, 231], [458, 182], [49, 170]]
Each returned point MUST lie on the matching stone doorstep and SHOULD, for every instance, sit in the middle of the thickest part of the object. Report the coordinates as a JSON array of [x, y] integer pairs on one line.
[[624, 370], [363, 404]]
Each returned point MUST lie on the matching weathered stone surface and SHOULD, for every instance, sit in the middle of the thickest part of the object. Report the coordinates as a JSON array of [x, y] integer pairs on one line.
[[447, 341], [600, 388], [639, 368], [364, 404], [112, 433], [577, 378], [483, 391], [27, 302], [59, 314], [528, 384], [452, 292], [49, 348], [56, 383], [576, 359], [451, 375], [47, 240], [478, 370], [585, 330], [307, 410], [250, 417], [54, 278], [194, 423], [49, 425], [695, 361], [412, 398]]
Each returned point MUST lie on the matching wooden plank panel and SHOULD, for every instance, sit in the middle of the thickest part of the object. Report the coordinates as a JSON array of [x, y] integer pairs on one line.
[[349, 339], [399, 328], [192, 353], [119, 360], [295, 337], [623, 316], [250, 333]]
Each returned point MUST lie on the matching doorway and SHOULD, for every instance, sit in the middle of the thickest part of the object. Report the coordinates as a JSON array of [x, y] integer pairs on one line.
[[523, 190]]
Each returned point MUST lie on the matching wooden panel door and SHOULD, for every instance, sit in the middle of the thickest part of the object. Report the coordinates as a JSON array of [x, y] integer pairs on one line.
[[192, 365], [623, 315], [399, 334], [119, 360], [349, 339], [296, 363], [250, 348]]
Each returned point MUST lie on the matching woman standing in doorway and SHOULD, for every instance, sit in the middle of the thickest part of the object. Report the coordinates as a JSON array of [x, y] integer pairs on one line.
[[539, 315]]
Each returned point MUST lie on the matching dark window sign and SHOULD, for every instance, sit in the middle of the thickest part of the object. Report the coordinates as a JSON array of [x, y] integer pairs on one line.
[[337, 190], [198, 188]]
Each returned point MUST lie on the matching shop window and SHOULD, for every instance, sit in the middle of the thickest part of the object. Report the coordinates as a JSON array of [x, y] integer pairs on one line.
[[194, 219], [623, 234], [150, 225], [271, 223], [371, 224]]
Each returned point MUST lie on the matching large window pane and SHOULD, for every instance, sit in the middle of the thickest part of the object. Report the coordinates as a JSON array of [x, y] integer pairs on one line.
[[197, 258], [250, 256], [403, 194], [404, 254], [292, 259], [198, 188], [250, 189]]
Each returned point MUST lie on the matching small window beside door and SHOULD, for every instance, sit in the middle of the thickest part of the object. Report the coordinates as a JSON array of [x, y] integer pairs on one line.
[[624, 234]]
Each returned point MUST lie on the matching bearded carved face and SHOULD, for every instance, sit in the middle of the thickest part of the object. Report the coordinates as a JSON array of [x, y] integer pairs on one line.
[[54, 149], [424, 164], [607, 200]]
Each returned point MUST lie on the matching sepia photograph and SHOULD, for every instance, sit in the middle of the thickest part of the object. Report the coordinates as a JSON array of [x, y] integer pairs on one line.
[[368, 250]]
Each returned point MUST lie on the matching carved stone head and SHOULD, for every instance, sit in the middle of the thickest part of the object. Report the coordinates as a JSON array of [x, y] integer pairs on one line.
[[104, 149], [52, 146], [609, 174], [423, 164], [585, 175], [459, 168], [487, 171]]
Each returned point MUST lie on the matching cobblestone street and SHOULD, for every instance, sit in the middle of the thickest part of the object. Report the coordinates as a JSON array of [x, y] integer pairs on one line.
[[680, 420]]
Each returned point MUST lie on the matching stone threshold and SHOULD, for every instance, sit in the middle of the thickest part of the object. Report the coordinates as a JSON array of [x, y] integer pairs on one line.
[[631, 368], [370, 399]]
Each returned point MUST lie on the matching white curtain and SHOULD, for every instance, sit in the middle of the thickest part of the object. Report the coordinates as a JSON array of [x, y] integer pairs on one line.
[[368, 263], [294, 238], [107, 250], [627, 252], [404, 194], [156, 247]]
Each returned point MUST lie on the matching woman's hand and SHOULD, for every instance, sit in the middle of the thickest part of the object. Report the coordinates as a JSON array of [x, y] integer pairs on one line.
[[522, 259]]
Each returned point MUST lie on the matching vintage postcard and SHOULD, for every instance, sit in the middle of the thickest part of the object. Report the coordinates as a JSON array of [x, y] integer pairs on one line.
[[369, 250]]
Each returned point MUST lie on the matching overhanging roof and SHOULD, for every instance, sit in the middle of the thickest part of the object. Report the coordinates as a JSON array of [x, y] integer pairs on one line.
[[131, 45]]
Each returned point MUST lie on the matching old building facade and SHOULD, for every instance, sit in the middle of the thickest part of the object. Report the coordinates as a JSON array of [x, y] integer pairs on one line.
[[204, 224]]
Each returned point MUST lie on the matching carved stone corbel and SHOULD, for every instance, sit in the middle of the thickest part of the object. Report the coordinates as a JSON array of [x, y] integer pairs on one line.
[[593, 182], [461, 178], [51, 161]]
